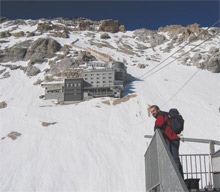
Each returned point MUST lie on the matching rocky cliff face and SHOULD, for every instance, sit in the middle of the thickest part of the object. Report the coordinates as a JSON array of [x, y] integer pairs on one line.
[[111, 26], [180, 33], [35, 51], [108, 25], [51, 42]]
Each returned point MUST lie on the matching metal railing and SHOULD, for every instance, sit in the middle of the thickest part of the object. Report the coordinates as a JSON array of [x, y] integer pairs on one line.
[[161, 172], [197, 166]]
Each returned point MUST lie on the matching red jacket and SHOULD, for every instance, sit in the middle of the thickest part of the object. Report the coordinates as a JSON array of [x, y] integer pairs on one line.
[[164, 124]]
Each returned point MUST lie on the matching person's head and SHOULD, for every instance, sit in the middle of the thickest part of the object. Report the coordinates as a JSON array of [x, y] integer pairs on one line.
[[154, 109]]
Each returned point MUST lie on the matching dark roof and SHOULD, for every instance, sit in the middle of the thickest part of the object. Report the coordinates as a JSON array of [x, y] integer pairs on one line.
[[118, 64]]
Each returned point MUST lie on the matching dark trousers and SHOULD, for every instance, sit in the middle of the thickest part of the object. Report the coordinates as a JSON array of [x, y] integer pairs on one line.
[[173, 146]]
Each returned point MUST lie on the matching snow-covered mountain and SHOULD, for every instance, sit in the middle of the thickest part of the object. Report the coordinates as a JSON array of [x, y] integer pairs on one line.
[[96, 145]]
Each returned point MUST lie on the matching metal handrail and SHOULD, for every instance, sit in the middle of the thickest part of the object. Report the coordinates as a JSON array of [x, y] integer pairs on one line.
[[211, 143], [192, 140], [199, 170], [156, 157], [158, 184]]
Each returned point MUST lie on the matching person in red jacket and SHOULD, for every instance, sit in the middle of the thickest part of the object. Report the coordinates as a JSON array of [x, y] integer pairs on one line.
[[173, 141]]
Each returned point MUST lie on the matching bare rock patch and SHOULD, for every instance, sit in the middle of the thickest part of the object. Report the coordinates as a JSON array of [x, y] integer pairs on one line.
[[106, 102], [124, 99], [3, 104], [46, 124], [121, 100], [14, 135], [6, 75]]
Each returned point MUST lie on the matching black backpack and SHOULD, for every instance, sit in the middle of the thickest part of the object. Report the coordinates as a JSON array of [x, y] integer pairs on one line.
[[177, 121]]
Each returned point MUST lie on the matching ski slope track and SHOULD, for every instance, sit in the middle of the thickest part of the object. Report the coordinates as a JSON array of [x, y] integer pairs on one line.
[[92, 146]]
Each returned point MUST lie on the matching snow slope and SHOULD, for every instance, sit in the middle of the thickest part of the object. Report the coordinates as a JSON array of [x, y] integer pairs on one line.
[[94, 147]]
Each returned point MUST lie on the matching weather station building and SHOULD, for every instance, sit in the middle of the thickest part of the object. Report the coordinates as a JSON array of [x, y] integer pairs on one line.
[[105, 82]]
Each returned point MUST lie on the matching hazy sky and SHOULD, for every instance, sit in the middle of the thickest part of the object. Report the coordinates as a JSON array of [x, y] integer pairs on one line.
[[133, 14]]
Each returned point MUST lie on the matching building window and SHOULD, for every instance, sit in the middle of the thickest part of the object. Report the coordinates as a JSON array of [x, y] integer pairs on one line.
[[86, 78], [71, 85], [79, 84], [91, 78], [97, 81], [97, 77], [67, 85], [110, 77], [103, 77], [104, 82]]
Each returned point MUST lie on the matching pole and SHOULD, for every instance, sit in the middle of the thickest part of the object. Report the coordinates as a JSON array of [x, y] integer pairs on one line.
[[211, 151]]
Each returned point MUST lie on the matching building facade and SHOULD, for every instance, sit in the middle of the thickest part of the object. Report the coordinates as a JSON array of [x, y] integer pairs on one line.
[[99, 78], [54, 91], [73, 89], [120, 71]]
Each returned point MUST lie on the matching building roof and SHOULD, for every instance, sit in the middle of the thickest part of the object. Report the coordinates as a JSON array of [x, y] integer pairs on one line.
[[118, 64], [52, 84], [98, 70], [74, 79]]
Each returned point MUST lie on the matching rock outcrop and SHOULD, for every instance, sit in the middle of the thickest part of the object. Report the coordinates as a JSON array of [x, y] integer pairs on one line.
[[145, 35], [180, 33], [110, 25], [65, 49], [64, 34], [43, 27], [5, 34], [209, 61], [104, 36], [63, 65], [36, 51], [14, 135], [42, 48], [85, 25], [2, 71], [32, 71], [15, 53], [6, 75], [3, 19], [48, 26], [213, 50], [19, 34], [85, 56], [214, 63], [19, 22], [30, 34], [3, 104]]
